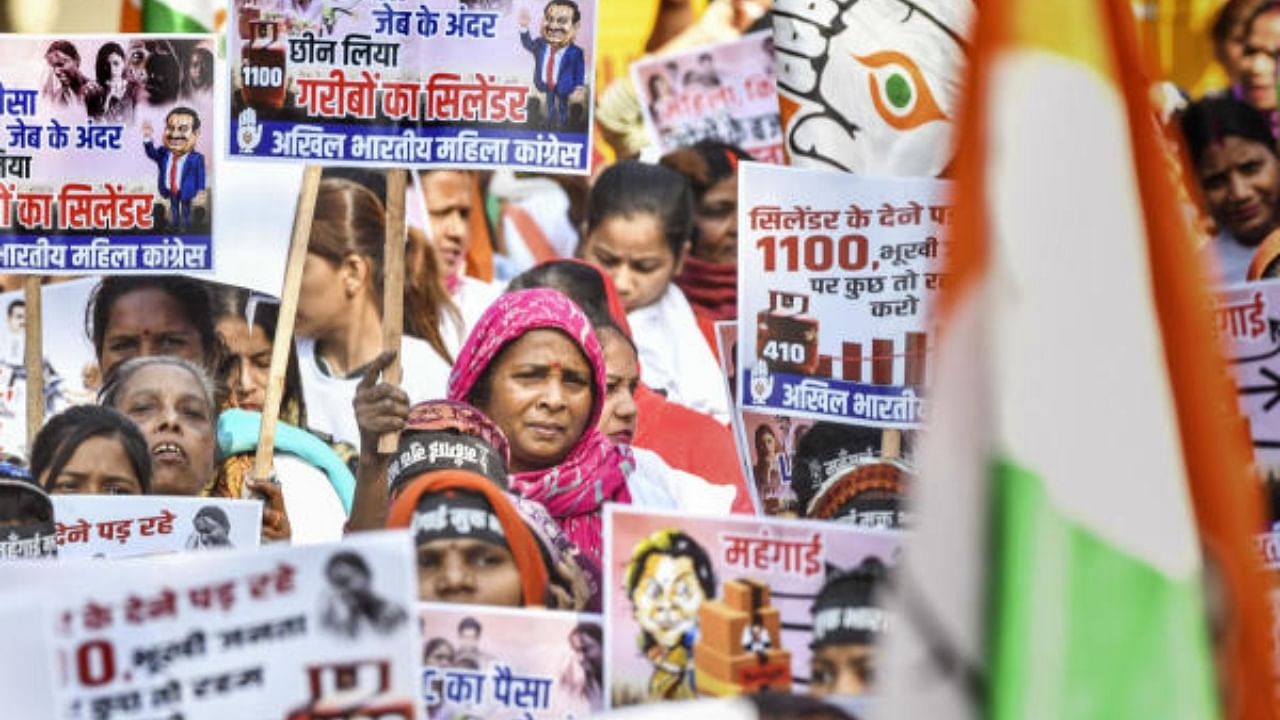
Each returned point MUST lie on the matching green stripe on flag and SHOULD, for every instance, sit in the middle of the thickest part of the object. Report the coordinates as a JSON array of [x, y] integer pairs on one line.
[[160, 17], [1081, 629]]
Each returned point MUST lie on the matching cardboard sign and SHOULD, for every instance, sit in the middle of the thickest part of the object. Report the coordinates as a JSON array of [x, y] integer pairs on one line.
[[718, 604], [71, 374], [424, 84], [766, 440], [722, 92], [105, 143], [322, 631], [1248, 318], [28, 683], [131, 525], [471, 667], [871, 87], [836, 274]]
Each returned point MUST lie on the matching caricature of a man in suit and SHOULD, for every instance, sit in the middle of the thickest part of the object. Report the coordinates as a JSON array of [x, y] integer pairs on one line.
[[180, 168], [559, 67]]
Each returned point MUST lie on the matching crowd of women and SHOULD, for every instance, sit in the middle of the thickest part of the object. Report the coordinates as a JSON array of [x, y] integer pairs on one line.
[[554, 361], [579, 382], [535, 389], [523, 400], [1230, 137]]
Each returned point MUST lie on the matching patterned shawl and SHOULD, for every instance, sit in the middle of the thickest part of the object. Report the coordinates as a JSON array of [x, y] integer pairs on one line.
[[595, 470]]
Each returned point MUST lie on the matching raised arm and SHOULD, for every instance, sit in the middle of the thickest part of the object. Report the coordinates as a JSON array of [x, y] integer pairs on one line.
[[380, 408]]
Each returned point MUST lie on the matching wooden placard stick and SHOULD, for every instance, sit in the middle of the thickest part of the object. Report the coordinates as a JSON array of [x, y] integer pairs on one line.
[[33, 352], [282, 343], [393, 290], [891, 444]]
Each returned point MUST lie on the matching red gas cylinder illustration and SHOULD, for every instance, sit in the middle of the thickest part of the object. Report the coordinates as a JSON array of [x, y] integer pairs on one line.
[[263, 70], [786, 336]]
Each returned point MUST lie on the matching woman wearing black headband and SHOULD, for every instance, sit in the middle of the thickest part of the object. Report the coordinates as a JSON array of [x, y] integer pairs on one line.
[[847, 623]]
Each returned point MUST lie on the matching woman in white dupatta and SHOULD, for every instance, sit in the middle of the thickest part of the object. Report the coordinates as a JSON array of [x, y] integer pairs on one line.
[[639, 227]]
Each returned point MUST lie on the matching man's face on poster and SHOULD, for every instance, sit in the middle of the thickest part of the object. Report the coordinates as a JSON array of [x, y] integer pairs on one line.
[[667, 598], [17, 318], [180, 133], [558, 26]]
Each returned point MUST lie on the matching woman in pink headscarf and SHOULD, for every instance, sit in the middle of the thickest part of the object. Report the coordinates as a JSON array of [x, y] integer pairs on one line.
[[533, 364]]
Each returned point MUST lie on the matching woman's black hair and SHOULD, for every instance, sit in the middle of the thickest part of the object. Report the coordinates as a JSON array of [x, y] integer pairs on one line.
[[1208, 121], [190, 295], [102, 65], [605, 325], [594, 631], [24, 505], [230, 302], [629, 188], [582, 284], [432, 645], [590, 629], [66, 48], [65, 432], [706, 163]]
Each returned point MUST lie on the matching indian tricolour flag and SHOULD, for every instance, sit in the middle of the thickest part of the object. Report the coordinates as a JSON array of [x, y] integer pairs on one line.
[[1080, 457], [173, 16]]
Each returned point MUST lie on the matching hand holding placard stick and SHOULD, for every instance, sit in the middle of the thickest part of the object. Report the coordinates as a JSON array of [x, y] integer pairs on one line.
[[393, 290], [283, 341]]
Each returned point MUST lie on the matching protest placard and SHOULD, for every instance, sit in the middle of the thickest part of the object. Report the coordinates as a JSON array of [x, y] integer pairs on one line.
[[414, 84], [724, 605], [323, 631], [131, 525], [1268, 547], [471, 667], [722, 92], [871, 87], [71, 374], [1248, 320], [28, 686], [766, 440], [104, 154], [835, 277]]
